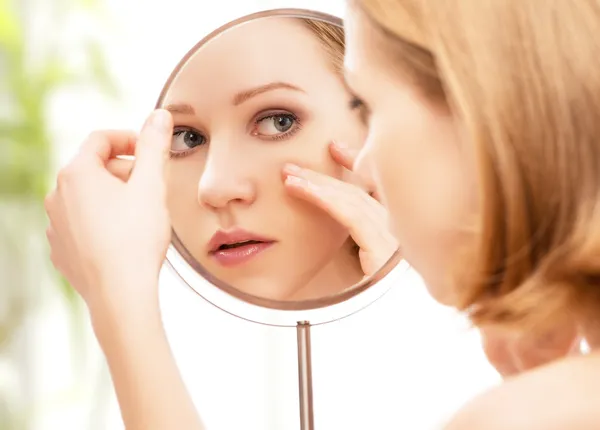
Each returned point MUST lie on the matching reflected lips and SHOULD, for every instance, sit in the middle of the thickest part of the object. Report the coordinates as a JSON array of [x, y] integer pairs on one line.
[[237, 246]]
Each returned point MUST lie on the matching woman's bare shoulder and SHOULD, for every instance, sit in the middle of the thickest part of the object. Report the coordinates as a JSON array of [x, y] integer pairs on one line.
[[561, 396]]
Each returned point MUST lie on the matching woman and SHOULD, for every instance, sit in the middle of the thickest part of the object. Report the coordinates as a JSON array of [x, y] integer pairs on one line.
[[110, 249], [212, 165], [230, 143], [483, 143], [226, 198]]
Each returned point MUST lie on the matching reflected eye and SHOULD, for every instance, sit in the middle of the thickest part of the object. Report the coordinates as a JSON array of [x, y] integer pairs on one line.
[[186, 139], [275, 125]]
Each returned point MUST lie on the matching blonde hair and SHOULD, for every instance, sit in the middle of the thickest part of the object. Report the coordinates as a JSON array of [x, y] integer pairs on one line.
[[331, 38], [520, 77]]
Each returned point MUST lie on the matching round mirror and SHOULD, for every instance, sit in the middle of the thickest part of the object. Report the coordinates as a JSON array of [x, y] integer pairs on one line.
[[263, 203]]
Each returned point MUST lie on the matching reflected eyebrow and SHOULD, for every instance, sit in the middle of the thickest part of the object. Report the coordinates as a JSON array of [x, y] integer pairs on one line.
[[253, 92], [241, 97], [180, 108]]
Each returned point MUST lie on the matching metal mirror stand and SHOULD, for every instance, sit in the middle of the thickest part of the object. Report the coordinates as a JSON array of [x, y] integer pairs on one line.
[[305, 376]]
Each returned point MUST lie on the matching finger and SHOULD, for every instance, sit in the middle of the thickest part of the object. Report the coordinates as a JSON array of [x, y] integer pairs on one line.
[[343, 155], [49, 202], [50, 234], [346, 157], [120, 168], [53, 244], [332, 185], [376, 196], [152, 149], [101, 146], [363, 218], [336, 205]]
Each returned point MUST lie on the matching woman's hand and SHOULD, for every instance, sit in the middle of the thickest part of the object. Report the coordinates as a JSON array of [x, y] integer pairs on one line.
[[106, 233], [363, 216], [109, 232]]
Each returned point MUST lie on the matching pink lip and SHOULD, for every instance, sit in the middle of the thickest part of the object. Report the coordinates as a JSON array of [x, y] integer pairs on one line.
[[239, 254]]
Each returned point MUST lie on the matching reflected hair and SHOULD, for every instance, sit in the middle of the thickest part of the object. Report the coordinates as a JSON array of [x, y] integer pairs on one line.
[[331, 38], [520, 81]]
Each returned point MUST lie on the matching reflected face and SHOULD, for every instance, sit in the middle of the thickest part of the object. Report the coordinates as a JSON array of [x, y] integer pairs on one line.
[[257, 97], [413, 155]]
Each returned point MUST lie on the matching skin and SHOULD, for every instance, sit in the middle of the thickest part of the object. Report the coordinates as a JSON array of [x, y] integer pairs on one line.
[[103, 241], [512, 353], [109, 230], [228, 156], [562, 395], [425, 176]]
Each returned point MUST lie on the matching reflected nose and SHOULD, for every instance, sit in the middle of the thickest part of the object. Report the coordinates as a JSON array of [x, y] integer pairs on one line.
[[224, 183]]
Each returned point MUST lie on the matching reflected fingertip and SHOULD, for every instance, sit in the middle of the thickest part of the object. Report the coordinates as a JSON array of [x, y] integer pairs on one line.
[[293, 169], [340, 145], [294, 180], [305, 185]]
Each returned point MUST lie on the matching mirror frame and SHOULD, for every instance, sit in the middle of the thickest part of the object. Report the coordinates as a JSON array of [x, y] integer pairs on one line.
[[259, 309]]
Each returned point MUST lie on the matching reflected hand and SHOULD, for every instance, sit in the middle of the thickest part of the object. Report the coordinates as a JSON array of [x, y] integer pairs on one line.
[[363, 216], [107, 232]]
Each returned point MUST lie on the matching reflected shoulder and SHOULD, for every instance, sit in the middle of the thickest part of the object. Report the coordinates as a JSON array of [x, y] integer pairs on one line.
[[561, 396]]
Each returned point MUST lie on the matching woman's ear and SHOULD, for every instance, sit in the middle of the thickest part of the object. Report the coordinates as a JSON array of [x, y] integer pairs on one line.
[[512, 352]]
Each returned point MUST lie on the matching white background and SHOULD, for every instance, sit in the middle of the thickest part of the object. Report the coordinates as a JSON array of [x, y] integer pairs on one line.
[[404, 363]]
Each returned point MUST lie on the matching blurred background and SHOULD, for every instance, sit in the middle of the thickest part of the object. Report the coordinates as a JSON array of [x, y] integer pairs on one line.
[[68, 67]]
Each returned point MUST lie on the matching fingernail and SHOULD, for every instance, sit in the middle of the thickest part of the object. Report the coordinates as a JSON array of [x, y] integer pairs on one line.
[[294, 180], [307, 185], [292, 168], [160, 119]]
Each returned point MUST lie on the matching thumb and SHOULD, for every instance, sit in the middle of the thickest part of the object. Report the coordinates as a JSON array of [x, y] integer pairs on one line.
[[152, 148]]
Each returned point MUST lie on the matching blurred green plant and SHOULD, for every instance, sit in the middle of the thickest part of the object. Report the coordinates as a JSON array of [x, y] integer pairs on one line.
[[28, 81], [25, 145]]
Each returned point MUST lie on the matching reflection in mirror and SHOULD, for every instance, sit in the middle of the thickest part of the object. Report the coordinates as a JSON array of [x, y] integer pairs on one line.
[[249, 105]]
